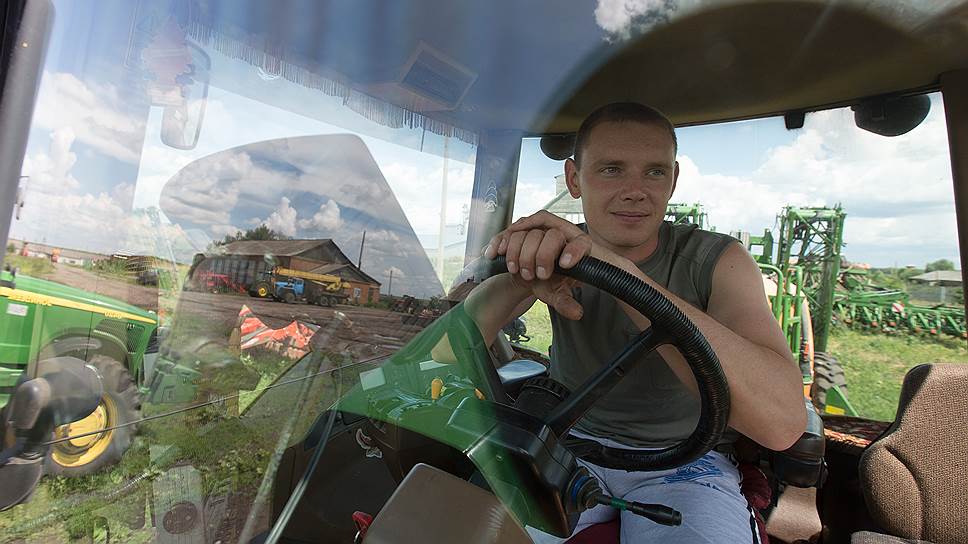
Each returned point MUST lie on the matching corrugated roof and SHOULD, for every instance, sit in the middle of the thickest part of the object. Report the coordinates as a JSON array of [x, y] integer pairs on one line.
[[564, 203], [947, 276], [283, 248], [328, 268], [348, 269]]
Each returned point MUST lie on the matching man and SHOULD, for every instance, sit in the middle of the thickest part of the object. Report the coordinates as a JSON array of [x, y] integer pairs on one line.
[[625, 171]]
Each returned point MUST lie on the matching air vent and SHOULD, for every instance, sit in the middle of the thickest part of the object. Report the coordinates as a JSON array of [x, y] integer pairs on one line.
[[429, 81]]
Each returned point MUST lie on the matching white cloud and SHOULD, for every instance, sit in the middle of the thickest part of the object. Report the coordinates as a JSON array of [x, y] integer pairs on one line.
[[620, 17], [205, 192], [896, 191], [50, 172], [91, 111], [326, 219], [531, 195], [283, 219]]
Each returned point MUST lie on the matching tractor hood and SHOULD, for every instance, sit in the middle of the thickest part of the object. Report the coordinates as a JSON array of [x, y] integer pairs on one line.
[[47, 293]]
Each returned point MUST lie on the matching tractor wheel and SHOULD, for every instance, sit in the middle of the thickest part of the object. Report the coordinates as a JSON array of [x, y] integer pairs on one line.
[[827, 373], [262, 290], [289, 297], [120, 404]]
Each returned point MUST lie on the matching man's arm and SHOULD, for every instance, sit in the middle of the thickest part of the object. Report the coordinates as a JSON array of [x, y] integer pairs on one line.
[[495, 302], [764, 381]]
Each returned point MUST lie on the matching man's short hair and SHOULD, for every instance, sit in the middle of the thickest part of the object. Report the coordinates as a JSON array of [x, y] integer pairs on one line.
[[622, 112]]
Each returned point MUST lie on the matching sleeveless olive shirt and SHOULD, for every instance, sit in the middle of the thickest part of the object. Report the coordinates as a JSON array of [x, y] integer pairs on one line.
[[650, 407]]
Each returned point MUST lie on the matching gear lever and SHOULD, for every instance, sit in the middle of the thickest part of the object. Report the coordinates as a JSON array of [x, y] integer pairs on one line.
[[584, 491]]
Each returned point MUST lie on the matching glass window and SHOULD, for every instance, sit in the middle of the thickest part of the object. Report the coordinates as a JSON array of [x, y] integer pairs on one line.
[[254, 220]]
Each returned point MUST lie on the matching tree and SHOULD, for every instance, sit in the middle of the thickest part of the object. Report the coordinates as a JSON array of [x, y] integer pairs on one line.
[[940, 264], [262, 232]]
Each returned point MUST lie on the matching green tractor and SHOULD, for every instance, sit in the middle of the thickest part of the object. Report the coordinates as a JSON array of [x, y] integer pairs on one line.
[[44, 320], [800, 270]]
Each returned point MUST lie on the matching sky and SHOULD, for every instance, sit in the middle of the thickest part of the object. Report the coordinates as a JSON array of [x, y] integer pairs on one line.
[[99, 170], [897, 192]]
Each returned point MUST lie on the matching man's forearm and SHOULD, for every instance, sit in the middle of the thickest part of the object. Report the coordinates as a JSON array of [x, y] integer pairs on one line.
[[764, 384], [494, 302]]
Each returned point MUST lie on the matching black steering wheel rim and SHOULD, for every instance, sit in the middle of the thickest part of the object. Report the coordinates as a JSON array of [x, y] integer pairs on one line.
[[669, 326]]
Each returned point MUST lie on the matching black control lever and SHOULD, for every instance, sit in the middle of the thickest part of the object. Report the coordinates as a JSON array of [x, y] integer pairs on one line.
[[585, 493], [658, 513]]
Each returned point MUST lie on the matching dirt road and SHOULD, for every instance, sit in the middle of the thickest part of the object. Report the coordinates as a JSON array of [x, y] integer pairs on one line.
[[364, 332], [136, 295]]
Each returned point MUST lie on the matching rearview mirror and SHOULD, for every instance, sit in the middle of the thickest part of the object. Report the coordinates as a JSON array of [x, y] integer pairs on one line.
[[181, 122], [891, 116]]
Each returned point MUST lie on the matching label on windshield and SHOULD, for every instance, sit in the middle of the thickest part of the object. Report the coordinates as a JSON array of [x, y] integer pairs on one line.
[[17, 309]]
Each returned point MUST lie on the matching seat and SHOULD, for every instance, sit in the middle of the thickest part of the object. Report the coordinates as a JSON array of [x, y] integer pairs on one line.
[[913, 477]]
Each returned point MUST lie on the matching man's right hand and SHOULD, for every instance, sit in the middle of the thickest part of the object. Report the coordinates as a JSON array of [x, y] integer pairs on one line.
[[533, 246]]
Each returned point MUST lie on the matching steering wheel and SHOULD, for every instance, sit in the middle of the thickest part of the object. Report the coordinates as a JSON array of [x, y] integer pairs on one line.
[[519, 446], [669, 326]]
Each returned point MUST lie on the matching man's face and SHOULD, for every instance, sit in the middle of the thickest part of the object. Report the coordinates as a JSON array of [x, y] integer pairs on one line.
[[627, 176]]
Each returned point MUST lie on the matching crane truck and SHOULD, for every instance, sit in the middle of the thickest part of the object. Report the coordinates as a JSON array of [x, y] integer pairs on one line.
[[290, 285]]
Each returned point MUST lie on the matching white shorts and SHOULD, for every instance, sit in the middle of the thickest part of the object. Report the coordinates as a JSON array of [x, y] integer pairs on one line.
[[706, 492]]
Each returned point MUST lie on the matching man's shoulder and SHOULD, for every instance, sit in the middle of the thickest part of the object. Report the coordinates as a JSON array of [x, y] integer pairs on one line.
[[689, 237]]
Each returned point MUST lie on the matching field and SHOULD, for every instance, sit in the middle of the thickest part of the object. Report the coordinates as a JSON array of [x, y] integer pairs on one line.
[[29, 266], [873, 364]]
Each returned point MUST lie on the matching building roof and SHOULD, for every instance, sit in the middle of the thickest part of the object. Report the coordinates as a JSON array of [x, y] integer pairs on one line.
[[346, 272], [563, 202], [282, 248], [944, 276], [64, 252]]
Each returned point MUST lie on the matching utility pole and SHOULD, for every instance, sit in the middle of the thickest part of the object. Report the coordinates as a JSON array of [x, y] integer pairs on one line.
[[390, 285], [443, 210], [359, 262]]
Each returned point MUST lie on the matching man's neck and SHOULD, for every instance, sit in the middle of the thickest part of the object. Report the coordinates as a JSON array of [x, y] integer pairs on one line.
[[636, 254]]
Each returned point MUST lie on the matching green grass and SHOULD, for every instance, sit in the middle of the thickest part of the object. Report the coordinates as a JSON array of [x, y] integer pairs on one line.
[[37, 267], [539, 327], [875, 364]]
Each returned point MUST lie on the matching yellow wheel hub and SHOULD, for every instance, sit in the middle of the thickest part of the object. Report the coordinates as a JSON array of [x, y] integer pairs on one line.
[[85, 449], [263, 292]]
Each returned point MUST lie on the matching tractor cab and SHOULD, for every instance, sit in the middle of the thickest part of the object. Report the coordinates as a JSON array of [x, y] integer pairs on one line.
[[353, 159]]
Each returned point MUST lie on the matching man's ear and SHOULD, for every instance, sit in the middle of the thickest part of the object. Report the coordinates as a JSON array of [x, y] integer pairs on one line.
[[675, 179], [571, 178]]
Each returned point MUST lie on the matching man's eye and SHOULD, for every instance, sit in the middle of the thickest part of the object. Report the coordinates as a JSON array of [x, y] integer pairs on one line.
[[610, 170], [657, 172]]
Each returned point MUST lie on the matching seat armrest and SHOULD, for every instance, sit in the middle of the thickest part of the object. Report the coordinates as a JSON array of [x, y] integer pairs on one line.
[[802, 465]]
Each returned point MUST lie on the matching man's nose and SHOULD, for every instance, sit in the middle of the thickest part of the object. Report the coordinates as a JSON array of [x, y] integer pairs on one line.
[[633, 193]]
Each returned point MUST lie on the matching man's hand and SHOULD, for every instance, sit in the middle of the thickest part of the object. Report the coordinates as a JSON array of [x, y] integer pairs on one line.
[[532, 246]]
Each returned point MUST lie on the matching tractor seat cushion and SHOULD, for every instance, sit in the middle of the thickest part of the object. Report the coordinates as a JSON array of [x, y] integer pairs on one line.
[[519, 371], [867, 537], [913, 477]]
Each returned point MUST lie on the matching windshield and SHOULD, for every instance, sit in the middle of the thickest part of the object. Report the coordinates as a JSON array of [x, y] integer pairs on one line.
[[255, 222]]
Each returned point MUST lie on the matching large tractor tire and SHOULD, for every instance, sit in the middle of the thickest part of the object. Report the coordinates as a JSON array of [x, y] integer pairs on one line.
[[827, 373], [289, 297], [120, 404]]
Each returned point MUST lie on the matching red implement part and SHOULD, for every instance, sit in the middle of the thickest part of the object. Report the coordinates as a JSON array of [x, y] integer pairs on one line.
[[291, 341]]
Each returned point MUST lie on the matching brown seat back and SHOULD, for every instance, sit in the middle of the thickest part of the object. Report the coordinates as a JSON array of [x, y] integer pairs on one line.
[[913, 477]]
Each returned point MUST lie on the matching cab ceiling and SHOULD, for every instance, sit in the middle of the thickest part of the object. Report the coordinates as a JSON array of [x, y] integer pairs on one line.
[[541, 66]]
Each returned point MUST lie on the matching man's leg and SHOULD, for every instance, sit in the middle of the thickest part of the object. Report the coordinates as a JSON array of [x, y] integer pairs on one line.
[[706, 492]]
